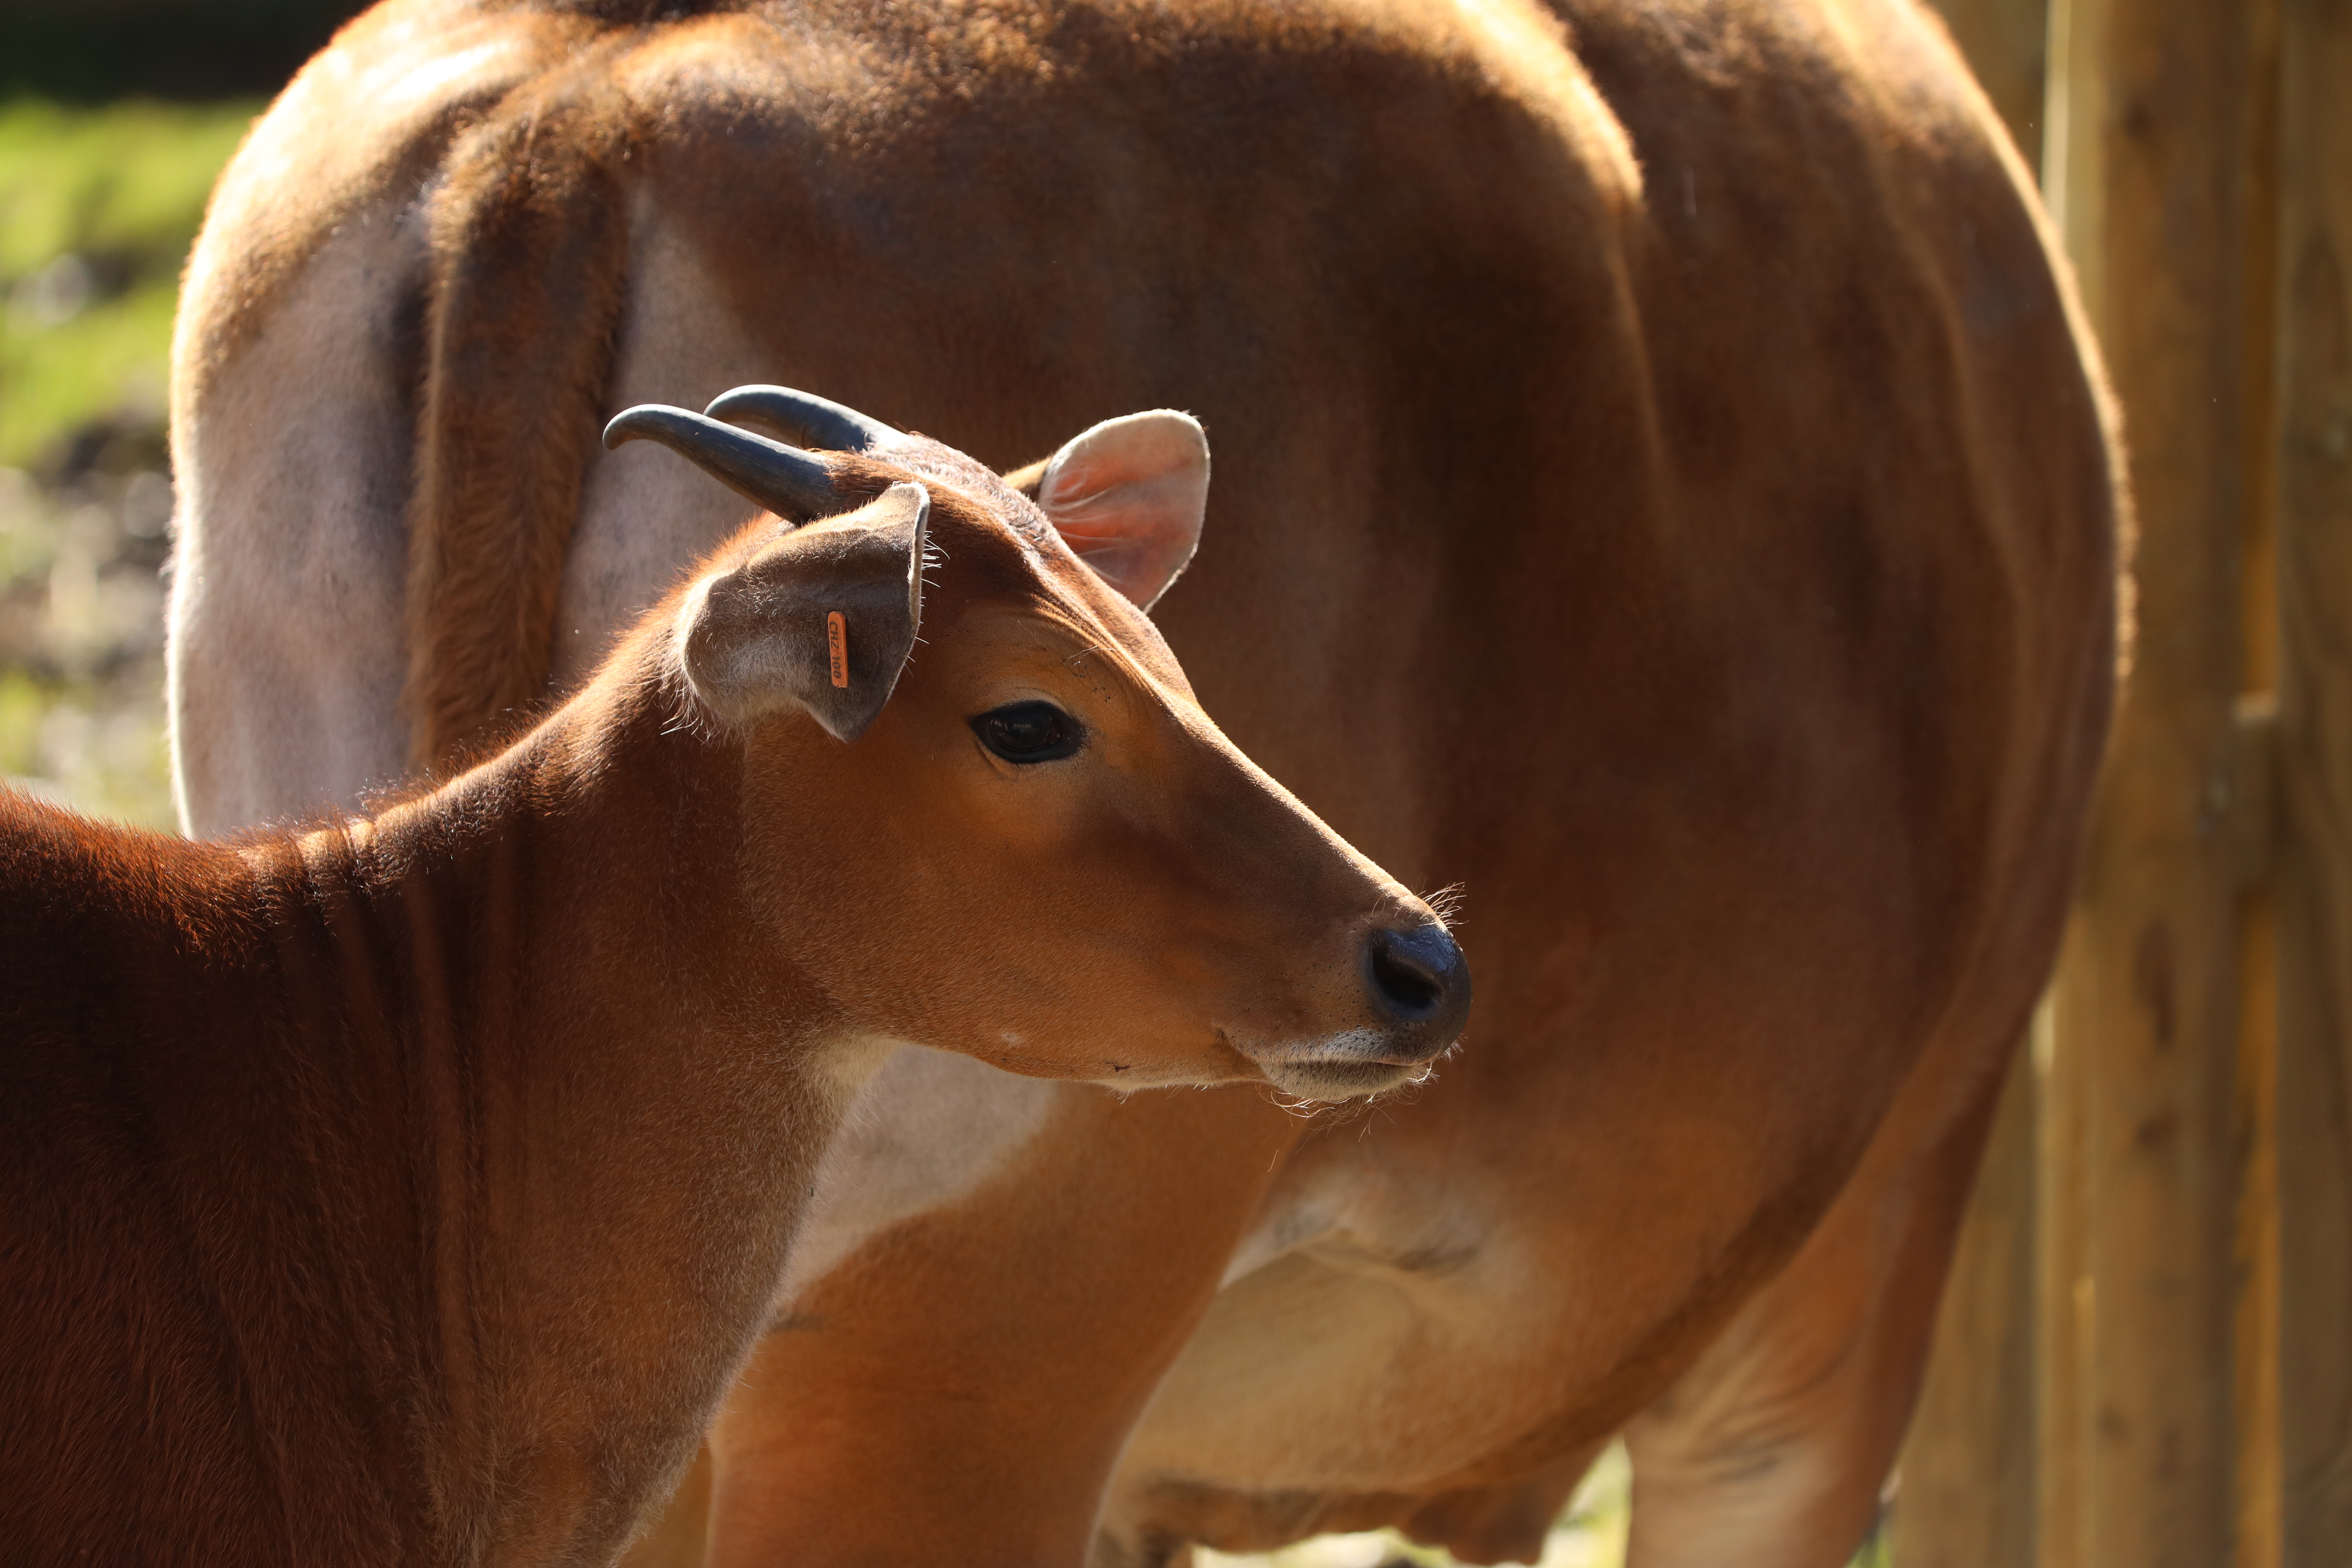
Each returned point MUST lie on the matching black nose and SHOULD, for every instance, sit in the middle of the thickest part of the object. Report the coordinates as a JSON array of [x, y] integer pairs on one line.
[[1421, 982]]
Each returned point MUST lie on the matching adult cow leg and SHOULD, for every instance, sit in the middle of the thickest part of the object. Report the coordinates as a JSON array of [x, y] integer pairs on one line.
[[1772, 1449], [961, 1384]]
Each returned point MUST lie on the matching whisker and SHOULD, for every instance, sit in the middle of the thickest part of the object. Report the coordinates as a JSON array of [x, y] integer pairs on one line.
[[1447, 902]]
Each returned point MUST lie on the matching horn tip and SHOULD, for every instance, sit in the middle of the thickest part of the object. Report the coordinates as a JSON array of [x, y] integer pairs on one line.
[[628, 425], [735, 397]]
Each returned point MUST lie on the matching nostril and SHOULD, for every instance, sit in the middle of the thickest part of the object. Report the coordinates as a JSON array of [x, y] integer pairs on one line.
[[1406, 985], [1409, 969]]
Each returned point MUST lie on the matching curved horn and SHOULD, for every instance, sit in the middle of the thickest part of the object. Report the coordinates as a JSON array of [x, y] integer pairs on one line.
[[818, 420], [780, 477]]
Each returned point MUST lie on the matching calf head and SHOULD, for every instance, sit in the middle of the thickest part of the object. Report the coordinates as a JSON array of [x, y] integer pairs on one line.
[[986, 811]]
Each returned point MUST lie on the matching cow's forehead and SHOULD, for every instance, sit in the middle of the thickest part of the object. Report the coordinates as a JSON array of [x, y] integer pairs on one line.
[[973, 502], [932, 460], [980, 498]]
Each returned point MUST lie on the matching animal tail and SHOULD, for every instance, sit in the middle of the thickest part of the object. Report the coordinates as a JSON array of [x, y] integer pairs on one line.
[[530, 241]]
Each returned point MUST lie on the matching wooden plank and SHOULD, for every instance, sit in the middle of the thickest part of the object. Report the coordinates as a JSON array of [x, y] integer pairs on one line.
[[2260, 1539], [2007, 45], [2313, 866], [1966, 1493], [2064, 1292], [2256, 1256], [2258, 1484], [2153, 140]]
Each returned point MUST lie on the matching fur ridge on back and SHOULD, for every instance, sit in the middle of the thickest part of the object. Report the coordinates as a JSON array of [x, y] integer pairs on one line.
[[530, 233]]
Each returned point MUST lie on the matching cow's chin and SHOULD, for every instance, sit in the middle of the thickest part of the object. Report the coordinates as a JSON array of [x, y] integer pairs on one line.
[[1340, 1067], [1330, 1071], [1336, 1080]]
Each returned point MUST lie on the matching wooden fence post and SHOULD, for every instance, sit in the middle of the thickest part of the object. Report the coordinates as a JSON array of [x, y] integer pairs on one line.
[[2313, 866], [2154, 128], [2130, 1205], [2007, 43]]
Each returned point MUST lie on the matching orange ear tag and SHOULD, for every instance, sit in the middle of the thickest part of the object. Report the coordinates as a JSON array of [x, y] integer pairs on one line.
[[836, 648]]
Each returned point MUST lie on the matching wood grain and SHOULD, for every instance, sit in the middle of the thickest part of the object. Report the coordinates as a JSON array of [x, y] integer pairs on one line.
[[2160, 203], [2313, 865], [2007, 45]]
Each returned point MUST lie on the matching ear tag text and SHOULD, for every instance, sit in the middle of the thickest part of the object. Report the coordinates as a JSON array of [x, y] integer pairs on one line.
[[836, 648]]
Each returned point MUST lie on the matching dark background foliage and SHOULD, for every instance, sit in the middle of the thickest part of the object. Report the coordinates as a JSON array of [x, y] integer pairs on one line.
[[88, 51]]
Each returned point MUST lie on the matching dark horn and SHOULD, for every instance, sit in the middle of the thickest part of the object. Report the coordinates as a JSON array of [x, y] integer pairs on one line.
[[782, 478], [819, 421]]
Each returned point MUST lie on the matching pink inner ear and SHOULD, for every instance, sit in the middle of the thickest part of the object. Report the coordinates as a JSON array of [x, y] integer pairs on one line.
[[1075, 484], [1134, 514]]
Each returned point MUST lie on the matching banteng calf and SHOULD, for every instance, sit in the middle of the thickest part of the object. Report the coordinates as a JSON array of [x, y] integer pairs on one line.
[[408, 1188]]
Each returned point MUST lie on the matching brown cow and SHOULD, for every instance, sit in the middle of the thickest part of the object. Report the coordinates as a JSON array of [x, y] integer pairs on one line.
[[408, 1189], [1662, 485]]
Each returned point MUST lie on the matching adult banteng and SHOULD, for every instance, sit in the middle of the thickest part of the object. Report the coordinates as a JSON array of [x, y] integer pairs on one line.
[[1661, 486], [318, 1149]]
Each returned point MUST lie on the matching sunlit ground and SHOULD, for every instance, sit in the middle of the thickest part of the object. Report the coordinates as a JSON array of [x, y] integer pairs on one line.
[[97, 211], [81, 606], [1590, 1534]]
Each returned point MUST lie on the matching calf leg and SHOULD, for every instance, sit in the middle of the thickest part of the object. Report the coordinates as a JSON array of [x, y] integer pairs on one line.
[[1772, 1449]]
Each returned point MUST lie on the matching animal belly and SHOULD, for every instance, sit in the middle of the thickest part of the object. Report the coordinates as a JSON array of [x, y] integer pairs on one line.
[[1334, 1386]]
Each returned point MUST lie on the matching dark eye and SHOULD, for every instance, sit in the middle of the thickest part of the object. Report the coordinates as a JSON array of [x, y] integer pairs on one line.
[[1028, 732]]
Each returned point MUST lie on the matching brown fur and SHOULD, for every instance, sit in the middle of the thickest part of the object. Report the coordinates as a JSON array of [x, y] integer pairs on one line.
[[317, 1148], [1661, 483], [530, 240]]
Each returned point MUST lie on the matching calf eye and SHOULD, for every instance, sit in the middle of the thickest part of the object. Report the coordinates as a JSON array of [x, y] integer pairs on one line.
[[1028, 732]]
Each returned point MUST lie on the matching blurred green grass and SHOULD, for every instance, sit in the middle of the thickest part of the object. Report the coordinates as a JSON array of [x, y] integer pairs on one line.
[[1591, 1533], [97, 209]]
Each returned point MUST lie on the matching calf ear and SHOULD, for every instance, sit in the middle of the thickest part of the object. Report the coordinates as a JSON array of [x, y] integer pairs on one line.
[[1128, 496], [822, 618]]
